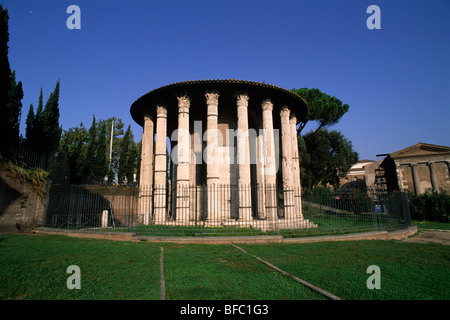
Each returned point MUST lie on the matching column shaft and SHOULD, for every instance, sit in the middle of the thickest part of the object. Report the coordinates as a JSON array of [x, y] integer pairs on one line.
[[434, 180], [296, 167], [260, 180], [415, 178], [183, 159], [160, 165], [212, 153], [146, 174], [243, 158], [286, 159], [269, 161]]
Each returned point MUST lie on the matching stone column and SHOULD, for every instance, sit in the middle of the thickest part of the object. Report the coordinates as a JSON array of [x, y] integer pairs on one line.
[[415, 178], [183, 159], [260, 181], [212, 153], [434, 180], [146, 175], [243, 158], [296, 167], [160, 165], [195, 210], [286, 162], [270, 171]]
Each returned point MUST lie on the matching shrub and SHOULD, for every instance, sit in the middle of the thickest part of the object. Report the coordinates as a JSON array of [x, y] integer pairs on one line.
[[356, 202], [321, 195], [36, 178], [430, 206]]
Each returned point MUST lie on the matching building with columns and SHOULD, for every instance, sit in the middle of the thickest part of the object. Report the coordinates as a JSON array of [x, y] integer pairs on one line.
[[220, 152], [417, 168]]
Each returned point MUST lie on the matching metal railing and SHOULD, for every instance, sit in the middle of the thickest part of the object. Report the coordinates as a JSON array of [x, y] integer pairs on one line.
[[224, 210], [27, 158]]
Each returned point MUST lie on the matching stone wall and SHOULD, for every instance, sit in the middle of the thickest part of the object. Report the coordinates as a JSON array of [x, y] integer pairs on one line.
[[21, 209]]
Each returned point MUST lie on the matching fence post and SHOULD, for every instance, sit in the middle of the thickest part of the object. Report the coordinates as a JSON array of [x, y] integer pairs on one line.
[[105, 218], [406, 212]]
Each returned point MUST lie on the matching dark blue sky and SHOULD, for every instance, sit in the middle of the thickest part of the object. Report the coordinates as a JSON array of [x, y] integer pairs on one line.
[[395, 79]]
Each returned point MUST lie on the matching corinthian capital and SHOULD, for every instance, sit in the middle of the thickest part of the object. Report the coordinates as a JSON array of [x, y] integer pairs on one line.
[[161, 111], [242, 99], [285, 112], [183, 101], [267, 105], [212, 97]]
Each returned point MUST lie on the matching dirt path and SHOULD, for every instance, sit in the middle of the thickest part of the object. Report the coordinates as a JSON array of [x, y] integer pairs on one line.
[[431, 236]]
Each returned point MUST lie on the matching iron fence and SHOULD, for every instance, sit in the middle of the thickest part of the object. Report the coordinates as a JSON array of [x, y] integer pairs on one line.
[[224, 210], [28, 158]]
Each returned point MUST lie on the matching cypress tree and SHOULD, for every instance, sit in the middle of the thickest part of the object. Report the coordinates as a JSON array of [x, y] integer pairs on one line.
[[14, 109], [76, 162], [5, 69], [50, 121], [111, 175], [138, 160], [11, 92], [36, 138], [89, 157], [101, 159], [35, 128], [29, 124], [40, 107]]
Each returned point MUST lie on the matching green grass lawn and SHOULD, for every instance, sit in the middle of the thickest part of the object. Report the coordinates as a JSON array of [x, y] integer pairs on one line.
[[34, 267], [221, 272], [409, 271], [432, 225]]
